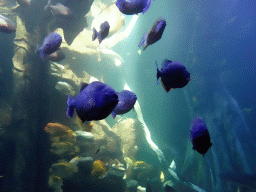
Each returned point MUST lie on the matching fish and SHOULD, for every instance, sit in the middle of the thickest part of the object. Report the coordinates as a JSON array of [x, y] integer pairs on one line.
[[94, 102], [97, 151], [173, 75], [98, 168], [54, 182], [85, 126], [64, 148], [154, 34], [56, 129], [103, 33], [24, 3], [240, 178], [200, 137], [113, 16], [51, 44], [126, 102], [6, 25], [131, 7], [65, 88], [57, 56], [63, 169], [59, 10], [148, 187]]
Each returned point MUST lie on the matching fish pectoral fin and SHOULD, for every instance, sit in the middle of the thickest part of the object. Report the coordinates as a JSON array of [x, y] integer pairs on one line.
[[143, 40], [83, 85]]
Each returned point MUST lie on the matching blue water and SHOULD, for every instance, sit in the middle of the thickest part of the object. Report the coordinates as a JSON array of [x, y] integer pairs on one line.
[[215, 40]]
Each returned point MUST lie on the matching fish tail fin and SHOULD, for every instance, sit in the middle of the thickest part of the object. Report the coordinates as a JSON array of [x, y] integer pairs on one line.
[[42, 54], [37, 49], [70, 109], [143, 40], [158, 74], [72, 92], [95, 34], [147, 7], [144, 47], [113, 114]]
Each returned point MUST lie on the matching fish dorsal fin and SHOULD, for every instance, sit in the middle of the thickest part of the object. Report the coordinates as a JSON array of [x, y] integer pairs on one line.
[[165, 63], [83, 85]]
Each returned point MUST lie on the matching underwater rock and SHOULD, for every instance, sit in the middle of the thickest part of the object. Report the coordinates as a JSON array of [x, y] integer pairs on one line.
[[5, 113], [116, 170], [126, 130], [83, 136], [132, 185]]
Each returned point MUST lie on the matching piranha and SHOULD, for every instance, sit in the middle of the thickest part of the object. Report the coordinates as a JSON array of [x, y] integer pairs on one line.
[[65, 88], [173, 75], [59, 10], [6, 25], [130, 7], [200, 136], [103, 33], [154, 34], [126, 102], [24, 3], [51, 44], [94, 102]]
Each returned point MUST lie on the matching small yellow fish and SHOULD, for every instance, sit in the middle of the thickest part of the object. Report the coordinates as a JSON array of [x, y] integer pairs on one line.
[[98, 168], [55, 181], [63, 169], [64, 148]]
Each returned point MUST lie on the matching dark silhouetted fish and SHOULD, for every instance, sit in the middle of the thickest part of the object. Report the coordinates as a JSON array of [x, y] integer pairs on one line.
[[73, 25], [154, 34], [6, 25], [126, 102], [57, 56], [240, 178], [51, 44], [200, 136], [148, 187], [94, 102], [173, 75], [103, 33], [130, 7], [59, 10], [23, 3]]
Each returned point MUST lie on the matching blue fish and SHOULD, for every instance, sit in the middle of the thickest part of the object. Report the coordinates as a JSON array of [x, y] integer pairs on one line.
[[173, 75], [103, 33], [51, 44], [126, 102], [94, 102], [154, 34], [200, 136], [130, 7], [6, 25]]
